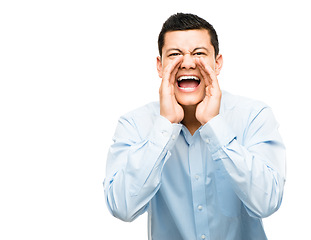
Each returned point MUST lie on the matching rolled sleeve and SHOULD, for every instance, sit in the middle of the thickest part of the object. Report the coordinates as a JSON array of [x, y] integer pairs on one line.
[[164, 133], [217, 134]]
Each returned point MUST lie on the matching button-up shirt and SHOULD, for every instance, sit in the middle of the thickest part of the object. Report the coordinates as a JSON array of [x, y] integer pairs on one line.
[[216, 184]]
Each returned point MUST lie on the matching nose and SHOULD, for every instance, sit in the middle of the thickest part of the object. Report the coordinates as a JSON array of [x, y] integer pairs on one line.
[[188, 62]]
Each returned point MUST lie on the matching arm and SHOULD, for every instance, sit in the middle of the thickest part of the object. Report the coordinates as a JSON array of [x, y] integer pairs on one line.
[[255, 165], [256, 168], [134, 166], [135, 163]]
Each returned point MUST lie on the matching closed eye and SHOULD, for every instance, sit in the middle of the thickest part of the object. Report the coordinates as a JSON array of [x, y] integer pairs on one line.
[[174, 54], [199, 53]]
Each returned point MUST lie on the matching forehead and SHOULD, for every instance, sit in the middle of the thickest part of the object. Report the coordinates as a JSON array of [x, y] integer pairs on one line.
[[187, 39]]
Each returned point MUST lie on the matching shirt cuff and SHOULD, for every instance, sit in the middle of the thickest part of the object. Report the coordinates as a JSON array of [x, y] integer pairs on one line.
[[217, 134], [164, 133]]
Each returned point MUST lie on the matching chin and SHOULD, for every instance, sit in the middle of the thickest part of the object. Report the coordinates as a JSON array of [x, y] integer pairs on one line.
[[189, 100]]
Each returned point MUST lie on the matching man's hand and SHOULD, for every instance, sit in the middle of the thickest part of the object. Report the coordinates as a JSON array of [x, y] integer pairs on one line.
[[169, 107], [209, 107]]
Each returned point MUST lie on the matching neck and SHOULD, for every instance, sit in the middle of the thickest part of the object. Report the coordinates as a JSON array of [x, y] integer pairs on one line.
[[190, 121]]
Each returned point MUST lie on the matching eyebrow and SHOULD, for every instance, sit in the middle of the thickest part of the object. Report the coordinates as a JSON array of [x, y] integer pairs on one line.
[[198, 48], [173, 49]]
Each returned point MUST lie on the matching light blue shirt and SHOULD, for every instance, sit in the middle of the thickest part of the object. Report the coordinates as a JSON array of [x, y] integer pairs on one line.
[[216, 184]]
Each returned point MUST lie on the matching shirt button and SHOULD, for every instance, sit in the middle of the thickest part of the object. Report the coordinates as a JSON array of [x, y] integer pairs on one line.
[[197, 177], [165, 133], [200, 208], [173, 137], [203, 236], [207, 141]]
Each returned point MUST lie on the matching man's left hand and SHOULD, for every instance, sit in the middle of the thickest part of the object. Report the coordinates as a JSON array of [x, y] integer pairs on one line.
[[210, 105]]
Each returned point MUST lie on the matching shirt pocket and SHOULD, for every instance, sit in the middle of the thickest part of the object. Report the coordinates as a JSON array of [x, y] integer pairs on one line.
[[228, 202]]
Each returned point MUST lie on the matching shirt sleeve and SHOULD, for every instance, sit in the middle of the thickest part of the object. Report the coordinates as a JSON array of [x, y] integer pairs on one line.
[[134, 166], [255, 163]]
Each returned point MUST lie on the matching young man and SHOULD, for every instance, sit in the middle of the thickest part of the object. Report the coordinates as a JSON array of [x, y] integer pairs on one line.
[[205, 164]]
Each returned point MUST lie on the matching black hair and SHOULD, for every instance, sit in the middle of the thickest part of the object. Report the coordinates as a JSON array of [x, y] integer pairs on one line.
[[187, 21]]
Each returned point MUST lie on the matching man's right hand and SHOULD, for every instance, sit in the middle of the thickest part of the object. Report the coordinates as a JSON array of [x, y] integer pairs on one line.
[[169, 107]]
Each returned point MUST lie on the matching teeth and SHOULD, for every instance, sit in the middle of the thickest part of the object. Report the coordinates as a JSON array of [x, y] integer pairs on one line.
[[190, 88], [188, 77]]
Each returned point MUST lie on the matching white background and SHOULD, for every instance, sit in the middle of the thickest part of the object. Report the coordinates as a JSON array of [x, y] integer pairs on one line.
[[69, 69]]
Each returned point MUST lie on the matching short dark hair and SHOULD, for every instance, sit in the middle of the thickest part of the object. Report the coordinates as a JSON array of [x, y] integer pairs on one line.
[[187, 21]]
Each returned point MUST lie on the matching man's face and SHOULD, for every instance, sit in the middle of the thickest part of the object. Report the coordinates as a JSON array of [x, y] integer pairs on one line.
[[189, 86]]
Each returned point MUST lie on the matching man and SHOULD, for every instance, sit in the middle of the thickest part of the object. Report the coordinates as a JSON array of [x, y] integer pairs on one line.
[[205, 164]]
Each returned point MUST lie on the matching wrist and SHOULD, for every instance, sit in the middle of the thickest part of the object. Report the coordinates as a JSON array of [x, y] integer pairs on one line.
[[172, 119], [205, 120]]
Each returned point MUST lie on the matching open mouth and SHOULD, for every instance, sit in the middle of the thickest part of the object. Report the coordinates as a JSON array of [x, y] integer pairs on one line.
[[188, 83]]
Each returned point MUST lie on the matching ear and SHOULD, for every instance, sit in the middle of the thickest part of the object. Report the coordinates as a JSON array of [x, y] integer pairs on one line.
[[159, 66], [219, 63]]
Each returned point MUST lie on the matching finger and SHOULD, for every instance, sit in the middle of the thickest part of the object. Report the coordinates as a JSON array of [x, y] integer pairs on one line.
[[211, 81], [175, 70], [206, 70], [171, 69]]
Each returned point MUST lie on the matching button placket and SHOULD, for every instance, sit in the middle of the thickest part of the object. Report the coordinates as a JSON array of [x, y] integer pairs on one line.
[[198, 188]]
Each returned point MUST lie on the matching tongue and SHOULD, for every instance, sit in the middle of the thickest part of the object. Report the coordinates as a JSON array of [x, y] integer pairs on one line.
[[188, 83]]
